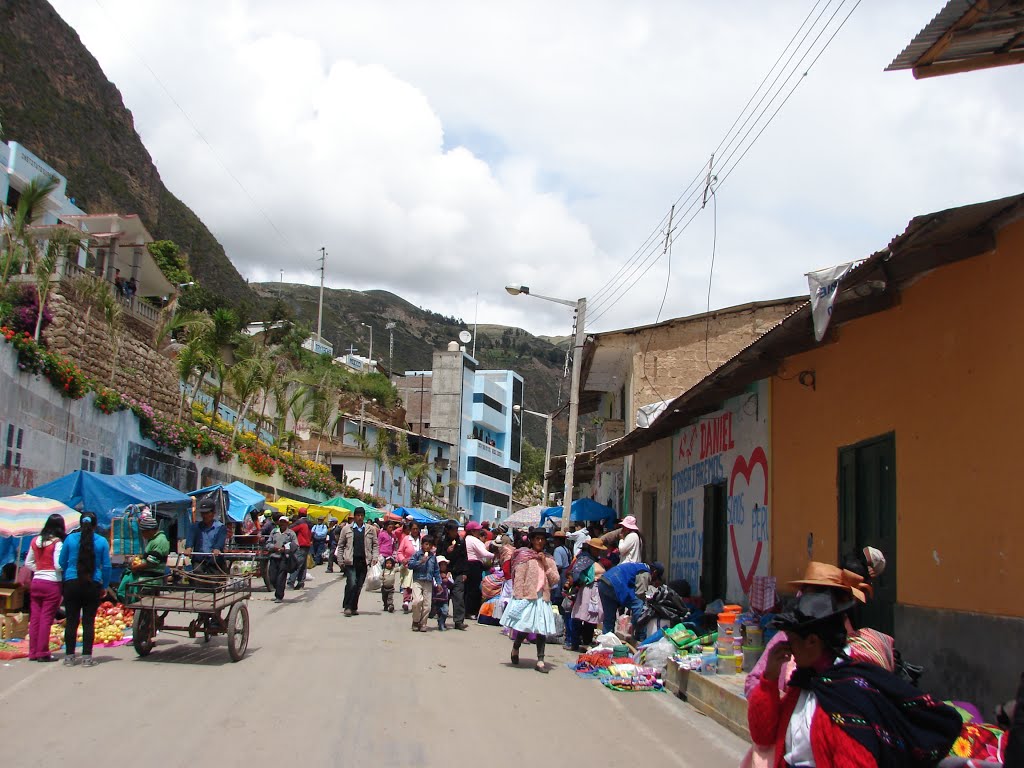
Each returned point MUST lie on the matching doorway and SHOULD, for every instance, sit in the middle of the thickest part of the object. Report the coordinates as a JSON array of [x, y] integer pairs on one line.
[[867, 517], [650, 526], [715, 559]]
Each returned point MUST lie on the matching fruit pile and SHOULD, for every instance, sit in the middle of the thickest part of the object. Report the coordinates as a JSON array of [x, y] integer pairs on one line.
[[111, 622]]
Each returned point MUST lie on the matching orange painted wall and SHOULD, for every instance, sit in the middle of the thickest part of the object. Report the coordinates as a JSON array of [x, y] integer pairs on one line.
[[944, 371]]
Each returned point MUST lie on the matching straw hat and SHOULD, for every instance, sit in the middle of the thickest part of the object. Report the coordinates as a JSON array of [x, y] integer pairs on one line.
[[825, 575], [596, 544]]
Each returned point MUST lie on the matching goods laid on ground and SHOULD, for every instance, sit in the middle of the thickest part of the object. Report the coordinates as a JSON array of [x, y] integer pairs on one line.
[[617, 671]]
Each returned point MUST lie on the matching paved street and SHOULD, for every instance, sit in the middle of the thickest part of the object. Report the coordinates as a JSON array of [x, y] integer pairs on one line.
[[318, 689]]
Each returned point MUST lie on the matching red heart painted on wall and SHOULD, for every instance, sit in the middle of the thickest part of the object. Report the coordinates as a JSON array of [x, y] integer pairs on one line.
[[745, 467]]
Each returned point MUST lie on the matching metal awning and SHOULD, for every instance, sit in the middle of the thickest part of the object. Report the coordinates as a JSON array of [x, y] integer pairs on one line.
[[966, 35]]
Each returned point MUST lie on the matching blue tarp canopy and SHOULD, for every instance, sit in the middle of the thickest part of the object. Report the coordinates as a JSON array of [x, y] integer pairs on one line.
[[109, 495], [421, 516], [583, 510], [241, 499]]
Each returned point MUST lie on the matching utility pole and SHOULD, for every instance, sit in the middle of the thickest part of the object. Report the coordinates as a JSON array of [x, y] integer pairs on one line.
[[367, 325], [579, 340], [391, 347], [320, 307]]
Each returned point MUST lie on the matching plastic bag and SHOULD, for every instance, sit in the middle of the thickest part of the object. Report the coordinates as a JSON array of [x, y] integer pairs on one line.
[[608, 640], [374, 578], [657, 655]]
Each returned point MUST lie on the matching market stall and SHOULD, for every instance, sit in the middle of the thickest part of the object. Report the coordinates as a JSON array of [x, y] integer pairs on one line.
[[421, 516], [342, 502], [584, 511], [291, 507]]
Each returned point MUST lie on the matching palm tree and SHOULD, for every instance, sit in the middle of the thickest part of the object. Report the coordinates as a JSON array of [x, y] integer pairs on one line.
[[17, 223], [324, 413], [60, 243], [113, 316], [246, 378], [192, 360]]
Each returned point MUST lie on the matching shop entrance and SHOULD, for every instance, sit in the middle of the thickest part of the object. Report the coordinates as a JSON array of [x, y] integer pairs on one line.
[[715, 559], [650, 526], [867, 517]]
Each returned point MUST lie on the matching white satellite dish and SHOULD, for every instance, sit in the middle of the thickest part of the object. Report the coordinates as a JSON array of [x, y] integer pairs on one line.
[[465, 337]]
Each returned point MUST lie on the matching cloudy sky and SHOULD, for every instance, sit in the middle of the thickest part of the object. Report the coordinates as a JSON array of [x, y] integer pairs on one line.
[[442, 150]]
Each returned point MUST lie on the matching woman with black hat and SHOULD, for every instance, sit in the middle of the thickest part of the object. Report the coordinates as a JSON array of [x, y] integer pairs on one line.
[[838, 712], [529, 612]]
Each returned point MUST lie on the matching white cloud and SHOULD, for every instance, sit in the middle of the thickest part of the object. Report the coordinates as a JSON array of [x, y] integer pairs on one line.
[[444, 149]]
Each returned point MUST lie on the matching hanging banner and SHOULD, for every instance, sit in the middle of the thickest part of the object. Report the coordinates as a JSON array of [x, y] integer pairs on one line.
[[824, 287]]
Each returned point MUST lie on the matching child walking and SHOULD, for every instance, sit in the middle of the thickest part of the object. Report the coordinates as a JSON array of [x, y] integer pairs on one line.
[[442, 593], [426, 576], [387, 584]]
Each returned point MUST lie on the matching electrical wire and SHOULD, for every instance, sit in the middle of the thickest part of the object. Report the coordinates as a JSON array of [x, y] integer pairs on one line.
[[596, 296], [195, 128], [612, 294]]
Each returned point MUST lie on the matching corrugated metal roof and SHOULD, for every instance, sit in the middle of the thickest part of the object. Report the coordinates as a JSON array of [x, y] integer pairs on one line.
[[928, 242], [994, 27]]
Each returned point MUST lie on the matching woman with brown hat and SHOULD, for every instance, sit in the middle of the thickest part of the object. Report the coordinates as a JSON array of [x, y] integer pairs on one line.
[[581, 584], [865, 645], [839, 712]]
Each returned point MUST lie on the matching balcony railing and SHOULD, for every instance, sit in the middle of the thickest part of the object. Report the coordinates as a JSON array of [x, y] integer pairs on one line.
[[69, 271]]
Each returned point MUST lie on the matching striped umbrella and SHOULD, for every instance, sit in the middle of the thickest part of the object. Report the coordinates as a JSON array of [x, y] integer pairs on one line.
[[25, 515]]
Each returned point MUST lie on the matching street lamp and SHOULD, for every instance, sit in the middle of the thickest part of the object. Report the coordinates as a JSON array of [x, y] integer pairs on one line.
[[547, 451], [366, 325], [574, 394]]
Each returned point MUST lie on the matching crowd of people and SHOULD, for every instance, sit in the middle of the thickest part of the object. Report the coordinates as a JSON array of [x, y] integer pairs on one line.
[[825, 692]]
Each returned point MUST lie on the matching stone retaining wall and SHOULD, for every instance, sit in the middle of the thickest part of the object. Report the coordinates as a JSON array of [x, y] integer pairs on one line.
[[141, 372]]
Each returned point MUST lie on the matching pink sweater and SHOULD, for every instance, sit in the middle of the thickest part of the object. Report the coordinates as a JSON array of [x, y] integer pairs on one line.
[[406, 549]]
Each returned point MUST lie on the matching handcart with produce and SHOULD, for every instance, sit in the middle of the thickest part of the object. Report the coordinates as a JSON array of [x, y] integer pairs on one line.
[[219, 602]]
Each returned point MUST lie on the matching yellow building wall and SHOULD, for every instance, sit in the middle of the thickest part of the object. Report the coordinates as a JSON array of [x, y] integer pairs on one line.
[[943, 370]]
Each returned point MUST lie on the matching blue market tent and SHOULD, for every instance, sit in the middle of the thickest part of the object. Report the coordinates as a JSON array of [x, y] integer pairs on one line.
[[241, 499], [583, 510], [109, 495], [421, 516]]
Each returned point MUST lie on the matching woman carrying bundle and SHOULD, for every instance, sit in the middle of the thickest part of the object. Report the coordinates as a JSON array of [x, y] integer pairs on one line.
[[529, 612]]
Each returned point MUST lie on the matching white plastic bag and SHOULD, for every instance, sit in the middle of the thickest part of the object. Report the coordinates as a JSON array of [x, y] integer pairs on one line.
[[656, 655], [374, 577]]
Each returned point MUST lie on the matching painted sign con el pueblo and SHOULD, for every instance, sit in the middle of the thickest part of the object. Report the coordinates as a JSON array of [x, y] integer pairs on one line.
[[730, 447]]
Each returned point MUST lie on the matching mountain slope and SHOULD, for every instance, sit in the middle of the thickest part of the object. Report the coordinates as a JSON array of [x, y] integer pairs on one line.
[[419, 332], [56, 101]]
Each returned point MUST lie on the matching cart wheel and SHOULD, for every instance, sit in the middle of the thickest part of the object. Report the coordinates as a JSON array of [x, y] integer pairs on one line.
[[143, 630], [238, 631]]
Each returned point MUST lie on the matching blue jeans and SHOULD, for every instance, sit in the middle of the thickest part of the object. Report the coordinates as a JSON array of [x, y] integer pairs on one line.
[[610, 605]]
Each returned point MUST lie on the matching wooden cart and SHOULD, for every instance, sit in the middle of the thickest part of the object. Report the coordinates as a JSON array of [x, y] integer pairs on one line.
[[219, 602]]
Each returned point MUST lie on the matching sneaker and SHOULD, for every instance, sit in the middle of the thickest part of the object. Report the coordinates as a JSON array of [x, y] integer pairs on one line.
[[70, 661], [278, 600], [348, 611], [88, 661], [461, 625]]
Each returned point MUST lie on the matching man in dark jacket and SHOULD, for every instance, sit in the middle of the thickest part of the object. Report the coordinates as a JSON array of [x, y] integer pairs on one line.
[[454, 548]]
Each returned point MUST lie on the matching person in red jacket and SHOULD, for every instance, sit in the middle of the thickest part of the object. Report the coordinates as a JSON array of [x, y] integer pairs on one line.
[[838, 713], [304, 535]]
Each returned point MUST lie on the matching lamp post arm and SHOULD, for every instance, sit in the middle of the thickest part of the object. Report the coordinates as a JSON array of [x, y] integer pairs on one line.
[[566, 302]]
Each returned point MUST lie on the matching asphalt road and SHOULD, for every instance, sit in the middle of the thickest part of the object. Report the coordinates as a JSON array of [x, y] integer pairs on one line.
[[318, 689]]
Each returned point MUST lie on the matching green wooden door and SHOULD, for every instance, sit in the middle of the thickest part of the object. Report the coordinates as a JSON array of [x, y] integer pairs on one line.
[[867, 517]]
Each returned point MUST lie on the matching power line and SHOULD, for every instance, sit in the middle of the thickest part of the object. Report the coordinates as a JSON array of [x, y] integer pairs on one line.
[[596, 297], [644, 263], [195, 128]]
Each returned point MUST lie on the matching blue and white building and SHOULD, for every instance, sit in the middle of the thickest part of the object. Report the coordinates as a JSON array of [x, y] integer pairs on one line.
[[473, 410], [18, 167]]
